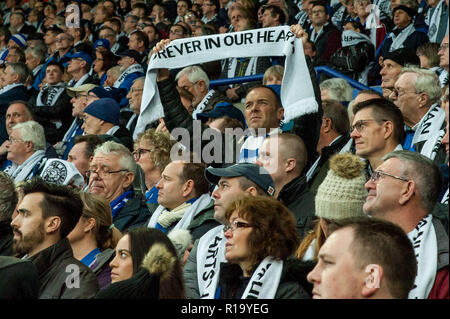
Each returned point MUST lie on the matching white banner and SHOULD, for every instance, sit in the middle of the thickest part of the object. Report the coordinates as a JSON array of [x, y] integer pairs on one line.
[[297, 93]]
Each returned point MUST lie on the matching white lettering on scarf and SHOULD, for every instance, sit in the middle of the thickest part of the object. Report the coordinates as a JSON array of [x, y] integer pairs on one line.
[[202, 105], [265, 280], [423, 239], [297, 94], [131, 69], [54, 91], [430, 131], [210, 254], [434, 20]]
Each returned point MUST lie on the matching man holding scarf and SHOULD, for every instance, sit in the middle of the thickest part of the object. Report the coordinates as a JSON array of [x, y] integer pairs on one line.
[[403, 190], [416, 94]]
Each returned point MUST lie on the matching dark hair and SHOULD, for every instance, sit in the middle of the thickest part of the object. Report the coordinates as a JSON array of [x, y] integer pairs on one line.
[[273, 227], [57, 64], [274, 10], [356, 25], [109, 59], [183, 28], [338, 114], [58, 200], [92, 141], [381, 242], [141, 5], [141, 36], [5, 31], [245, 183], [8, 197], [195, 172], [320, 3], [141, 240], [383, 109], [430, 51]]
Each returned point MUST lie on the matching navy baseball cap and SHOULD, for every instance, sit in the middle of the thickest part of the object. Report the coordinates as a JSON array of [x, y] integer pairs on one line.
[[102, 43], [82, 55], [257, 174], [106, 109], [223, 109], [132, 54], [113, 93]]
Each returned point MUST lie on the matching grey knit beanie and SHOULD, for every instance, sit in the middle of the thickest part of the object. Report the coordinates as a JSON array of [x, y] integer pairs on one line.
[[342, 193]]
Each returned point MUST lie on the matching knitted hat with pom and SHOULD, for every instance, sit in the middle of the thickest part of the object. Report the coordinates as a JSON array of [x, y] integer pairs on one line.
[[342, 193], [157, 265]]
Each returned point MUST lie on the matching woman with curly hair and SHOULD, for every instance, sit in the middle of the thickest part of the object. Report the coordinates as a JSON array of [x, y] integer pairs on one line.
[[260, 239], [152, 154]]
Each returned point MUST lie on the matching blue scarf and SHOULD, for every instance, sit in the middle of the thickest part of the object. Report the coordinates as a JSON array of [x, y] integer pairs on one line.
[[151, 196], [119, 202], [90, 258], [77, 130]]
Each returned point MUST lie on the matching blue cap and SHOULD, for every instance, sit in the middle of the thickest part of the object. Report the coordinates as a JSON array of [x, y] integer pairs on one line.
[[223, 109], [106, 109], [257, 174], [20, 39], [111, 92], [82, 55], [102, 43]]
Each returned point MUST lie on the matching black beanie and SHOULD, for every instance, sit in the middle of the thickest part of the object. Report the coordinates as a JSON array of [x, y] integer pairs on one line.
[[403, 56], [409, 11]]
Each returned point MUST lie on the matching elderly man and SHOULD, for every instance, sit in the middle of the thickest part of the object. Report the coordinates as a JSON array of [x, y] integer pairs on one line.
[[111, 174], [243, 178], [404, 190], [195, 80], [45, 216], [416, 94], [79, 102], [78, 67], [102, 117], [377, 129], [13, 78], [26, 151], [392, 65], [284, 156], [184, 200], [364, 259]]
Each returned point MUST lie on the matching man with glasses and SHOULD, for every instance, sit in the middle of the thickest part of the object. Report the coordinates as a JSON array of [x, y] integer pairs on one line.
[[64, 44], [210, 10], [325, 35], [26, 151], [111, 35], [111, 174], [78, 67], [134, 101], [377, 129], [417, 93], [404, 189]]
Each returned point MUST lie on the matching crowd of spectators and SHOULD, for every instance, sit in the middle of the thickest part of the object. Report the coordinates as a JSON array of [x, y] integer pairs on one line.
[[347, 201]]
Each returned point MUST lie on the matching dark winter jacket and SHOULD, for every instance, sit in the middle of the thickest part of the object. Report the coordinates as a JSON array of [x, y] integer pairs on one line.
[[328, 42], [18, 279], [61, 275], [297, 197], [134, 213]]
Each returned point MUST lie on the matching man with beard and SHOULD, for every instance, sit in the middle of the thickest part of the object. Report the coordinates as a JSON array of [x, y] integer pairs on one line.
[[46, 215]]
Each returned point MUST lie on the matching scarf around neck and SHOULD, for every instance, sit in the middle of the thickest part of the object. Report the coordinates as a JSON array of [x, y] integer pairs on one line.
[[52, 93], [399, 39], [351, 38], [423, 239], [25, 170], [131, 69], [265, 280], [433, 20]]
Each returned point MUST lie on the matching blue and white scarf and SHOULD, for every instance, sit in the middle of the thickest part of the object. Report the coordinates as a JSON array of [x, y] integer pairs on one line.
[[119, 202]]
